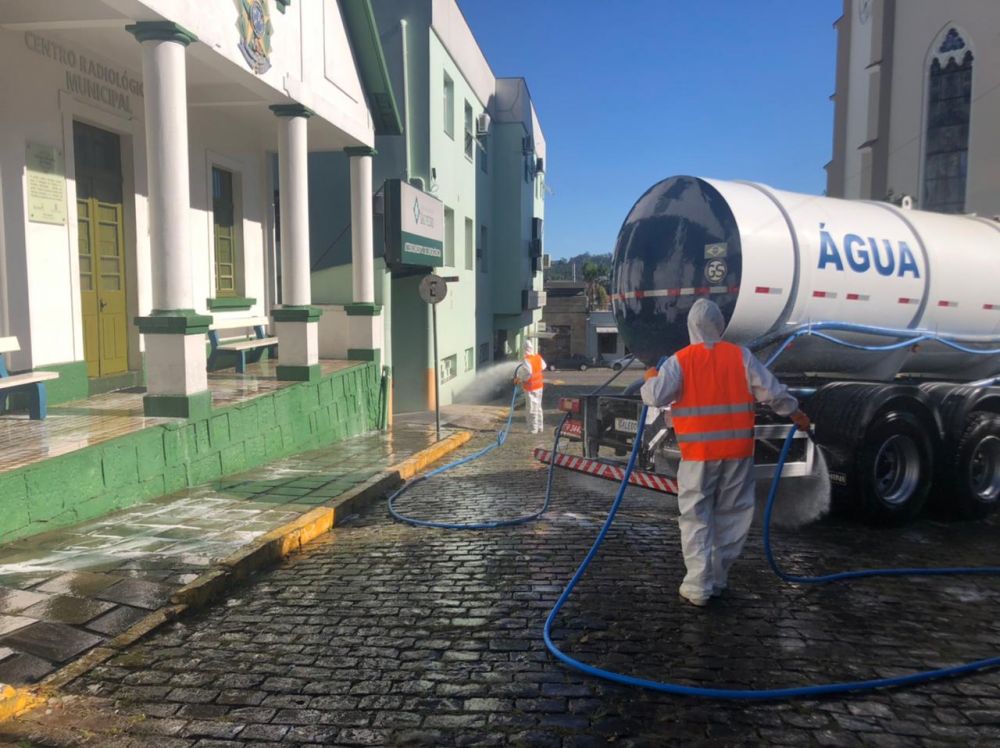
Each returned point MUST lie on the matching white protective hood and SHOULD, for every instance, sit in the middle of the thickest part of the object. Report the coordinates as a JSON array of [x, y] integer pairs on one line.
[[705, 322]]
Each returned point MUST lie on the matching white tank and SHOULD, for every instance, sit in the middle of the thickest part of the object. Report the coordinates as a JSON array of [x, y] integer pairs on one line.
[[776, 260]]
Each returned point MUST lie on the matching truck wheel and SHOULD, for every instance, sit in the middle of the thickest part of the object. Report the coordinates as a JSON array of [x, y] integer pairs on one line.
[[974, 484], [894, 468], [583, 367]]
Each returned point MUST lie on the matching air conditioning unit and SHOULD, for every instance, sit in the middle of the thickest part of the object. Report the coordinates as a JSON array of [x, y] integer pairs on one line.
[[536, 228], [483, 124], [535, 248], [546, 262], [531, 299], [540, 165], [417, 182]]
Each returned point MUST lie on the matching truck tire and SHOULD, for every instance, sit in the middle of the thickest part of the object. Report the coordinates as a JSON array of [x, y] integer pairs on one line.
[[894, 468], [971, 489]]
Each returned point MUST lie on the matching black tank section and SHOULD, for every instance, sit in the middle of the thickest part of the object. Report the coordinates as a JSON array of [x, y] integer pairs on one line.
[[680, 235]]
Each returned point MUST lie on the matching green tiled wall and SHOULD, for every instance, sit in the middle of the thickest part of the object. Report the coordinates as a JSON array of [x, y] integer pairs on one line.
[[159, 460]]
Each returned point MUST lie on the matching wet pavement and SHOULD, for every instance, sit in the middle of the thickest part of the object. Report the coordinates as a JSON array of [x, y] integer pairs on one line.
[[84, 423], [386, 634], [65, 592]]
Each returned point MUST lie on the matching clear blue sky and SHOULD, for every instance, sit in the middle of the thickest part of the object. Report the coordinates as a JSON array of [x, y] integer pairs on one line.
[[632, 91]]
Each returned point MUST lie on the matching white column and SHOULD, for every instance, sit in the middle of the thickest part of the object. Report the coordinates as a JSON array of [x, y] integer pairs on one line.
[[164, 76], [296, 323], [293, 189], [176, 380], [362, 246], [365, 328]]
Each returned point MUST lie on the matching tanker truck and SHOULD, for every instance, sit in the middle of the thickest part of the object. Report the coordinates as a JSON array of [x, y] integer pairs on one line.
[[883, 320]]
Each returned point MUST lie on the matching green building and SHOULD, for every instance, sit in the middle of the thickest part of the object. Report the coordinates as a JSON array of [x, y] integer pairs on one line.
[[473, 154]]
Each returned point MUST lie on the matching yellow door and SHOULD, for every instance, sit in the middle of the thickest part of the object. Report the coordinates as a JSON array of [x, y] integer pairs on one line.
[[102, 250]]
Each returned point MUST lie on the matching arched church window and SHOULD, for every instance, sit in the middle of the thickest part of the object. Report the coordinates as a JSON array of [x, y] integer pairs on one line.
[[949, 104]]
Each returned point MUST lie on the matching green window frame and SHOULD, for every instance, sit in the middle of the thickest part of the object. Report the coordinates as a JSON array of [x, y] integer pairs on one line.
[[226, 249], [470, 244], [449, 106], [449, 368], [470, 136]]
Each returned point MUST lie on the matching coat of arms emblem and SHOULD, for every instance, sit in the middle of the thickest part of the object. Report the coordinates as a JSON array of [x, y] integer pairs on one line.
[[255, 34]]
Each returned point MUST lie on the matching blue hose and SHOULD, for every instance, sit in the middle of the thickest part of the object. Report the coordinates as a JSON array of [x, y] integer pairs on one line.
[[488, 524], [501, 439], [767, 693], [910, 338]]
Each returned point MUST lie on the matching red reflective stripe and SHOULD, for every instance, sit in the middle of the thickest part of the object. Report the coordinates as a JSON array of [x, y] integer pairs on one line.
[[607, 471]]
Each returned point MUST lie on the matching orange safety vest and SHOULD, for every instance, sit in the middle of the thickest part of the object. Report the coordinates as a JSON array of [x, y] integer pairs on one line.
[[534, 381], [713, 419]]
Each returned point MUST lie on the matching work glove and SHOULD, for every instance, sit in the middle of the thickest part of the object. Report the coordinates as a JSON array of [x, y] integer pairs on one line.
[[651, 373], [801, 420]]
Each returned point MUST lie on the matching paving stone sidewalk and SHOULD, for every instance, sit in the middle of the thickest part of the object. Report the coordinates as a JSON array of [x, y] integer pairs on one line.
[[386, 634], [65, 592]]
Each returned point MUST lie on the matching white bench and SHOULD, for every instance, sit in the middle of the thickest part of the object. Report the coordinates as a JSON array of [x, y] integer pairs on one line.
[[246, 348], [30, 382]]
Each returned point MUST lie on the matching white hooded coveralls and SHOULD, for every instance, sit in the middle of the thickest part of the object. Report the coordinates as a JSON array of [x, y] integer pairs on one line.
[[715, 497], [534, 415]]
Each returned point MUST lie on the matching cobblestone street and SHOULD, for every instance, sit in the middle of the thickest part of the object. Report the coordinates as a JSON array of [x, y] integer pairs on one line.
[[381, 633]]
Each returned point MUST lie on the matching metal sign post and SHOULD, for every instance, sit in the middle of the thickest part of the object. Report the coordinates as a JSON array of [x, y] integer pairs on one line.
[[433, 289]]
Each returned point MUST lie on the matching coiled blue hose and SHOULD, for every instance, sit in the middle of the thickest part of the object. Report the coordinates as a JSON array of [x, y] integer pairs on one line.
[[767, 693], [488, 524]]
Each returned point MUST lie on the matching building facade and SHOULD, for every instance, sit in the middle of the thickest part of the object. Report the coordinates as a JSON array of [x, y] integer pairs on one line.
[[916, 104], [474, 151], [565, 317], [574, 331], [138, 172]]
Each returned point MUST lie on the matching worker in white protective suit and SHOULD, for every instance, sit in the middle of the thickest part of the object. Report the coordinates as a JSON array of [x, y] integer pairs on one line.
[[532, 382], [713, 386]]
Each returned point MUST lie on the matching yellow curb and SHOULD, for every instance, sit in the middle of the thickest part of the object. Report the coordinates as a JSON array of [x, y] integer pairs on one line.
[[373, 488], [271, 547], [206, 587], [142, 627], [74, 670], [15, 701], [410, 467], [277, 543]]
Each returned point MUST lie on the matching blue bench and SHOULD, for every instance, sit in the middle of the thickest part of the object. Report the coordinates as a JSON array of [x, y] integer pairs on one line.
[[246, 348], [32, 383]]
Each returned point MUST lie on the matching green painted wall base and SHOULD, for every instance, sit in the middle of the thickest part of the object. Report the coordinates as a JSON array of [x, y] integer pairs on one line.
[[298, 373], [198, 405], [162, 459], [365, 354], [101, 385]]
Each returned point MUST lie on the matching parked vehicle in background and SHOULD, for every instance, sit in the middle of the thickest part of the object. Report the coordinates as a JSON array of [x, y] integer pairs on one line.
[[580, 363], [620, 363]]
